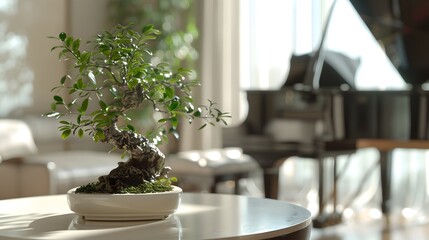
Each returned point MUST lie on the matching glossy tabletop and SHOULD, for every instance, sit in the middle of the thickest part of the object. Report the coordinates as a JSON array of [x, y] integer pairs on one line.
[[200, 216]]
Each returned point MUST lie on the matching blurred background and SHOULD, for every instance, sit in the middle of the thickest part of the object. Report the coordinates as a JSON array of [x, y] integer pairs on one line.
[[251, 58]]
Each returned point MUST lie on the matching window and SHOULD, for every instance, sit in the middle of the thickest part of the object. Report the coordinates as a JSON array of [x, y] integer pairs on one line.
[[276, 29]]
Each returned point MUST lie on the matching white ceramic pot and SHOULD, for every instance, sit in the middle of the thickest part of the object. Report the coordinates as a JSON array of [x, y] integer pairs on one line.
[[124, 207]]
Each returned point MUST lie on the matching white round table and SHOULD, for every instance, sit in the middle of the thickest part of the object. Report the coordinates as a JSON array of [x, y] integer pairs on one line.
[[200, 216]]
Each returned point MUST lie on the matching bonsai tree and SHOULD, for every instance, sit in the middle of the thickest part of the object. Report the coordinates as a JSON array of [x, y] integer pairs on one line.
[[109, 80]]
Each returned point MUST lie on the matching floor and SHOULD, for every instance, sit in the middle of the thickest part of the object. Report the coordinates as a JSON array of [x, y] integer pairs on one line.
[[365, 228], [369, 224], [361, 192]]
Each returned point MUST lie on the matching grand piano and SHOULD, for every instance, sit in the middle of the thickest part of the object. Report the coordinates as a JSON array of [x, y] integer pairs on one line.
[[333, 96]]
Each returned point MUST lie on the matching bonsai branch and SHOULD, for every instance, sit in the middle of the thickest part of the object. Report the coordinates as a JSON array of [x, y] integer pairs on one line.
[[145, 163]]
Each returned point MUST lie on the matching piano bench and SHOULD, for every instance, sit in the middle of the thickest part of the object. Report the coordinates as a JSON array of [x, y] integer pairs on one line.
[[204, 170]]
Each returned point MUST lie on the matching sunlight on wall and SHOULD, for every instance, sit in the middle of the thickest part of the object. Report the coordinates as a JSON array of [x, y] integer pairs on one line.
[[8, 6], [270, 28], [16, 79]]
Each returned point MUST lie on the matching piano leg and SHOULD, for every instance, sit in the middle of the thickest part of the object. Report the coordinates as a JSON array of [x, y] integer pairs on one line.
[[324, 219], [321, 186], [386, 178], [271, 182]]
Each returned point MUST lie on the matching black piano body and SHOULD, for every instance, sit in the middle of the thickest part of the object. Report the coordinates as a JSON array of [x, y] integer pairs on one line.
[[335, 114]]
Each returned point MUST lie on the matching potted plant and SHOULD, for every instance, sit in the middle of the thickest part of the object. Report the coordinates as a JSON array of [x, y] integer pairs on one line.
[[111, 78]]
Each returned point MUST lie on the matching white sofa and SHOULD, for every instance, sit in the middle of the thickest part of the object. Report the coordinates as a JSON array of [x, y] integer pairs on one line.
[[36, 161]]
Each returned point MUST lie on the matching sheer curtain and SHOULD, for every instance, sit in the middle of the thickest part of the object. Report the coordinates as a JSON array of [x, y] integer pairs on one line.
[[219, 69]]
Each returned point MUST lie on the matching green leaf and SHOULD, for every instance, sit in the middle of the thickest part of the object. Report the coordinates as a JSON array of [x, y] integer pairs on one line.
[[62, 36], [169, 92], [84, 105], [58, 99], [79, 84], [103, 105], [72, 90], [80, 133], [76, 45], [131, 128], [99, 135], [63, 80], [53, 106], [68, 41], [63, 53], [132, 83], [190, 108], [104, 49], [53, 48], [159, 77], [173, 105], [147, 29], [84, 57], [174, 121], [197, 113], [66, 134]]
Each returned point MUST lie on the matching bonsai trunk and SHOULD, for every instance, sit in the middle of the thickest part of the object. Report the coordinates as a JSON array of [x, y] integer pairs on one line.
[[145, 163]]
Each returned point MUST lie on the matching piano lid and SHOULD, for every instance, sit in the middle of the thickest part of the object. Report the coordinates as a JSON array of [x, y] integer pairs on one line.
[[347, 50]]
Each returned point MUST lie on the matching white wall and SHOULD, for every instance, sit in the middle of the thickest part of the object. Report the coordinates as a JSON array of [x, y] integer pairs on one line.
[[28, 69], [87, 18], [44, 18]]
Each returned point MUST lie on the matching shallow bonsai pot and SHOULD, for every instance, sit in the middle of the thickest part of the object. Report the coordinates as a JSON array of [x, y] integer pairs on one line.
[[124, 207]]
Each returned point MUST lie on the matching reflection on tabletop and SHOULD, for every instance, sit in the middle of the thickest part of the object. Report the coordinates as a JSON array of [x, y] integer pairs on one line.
[[62, 226]]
